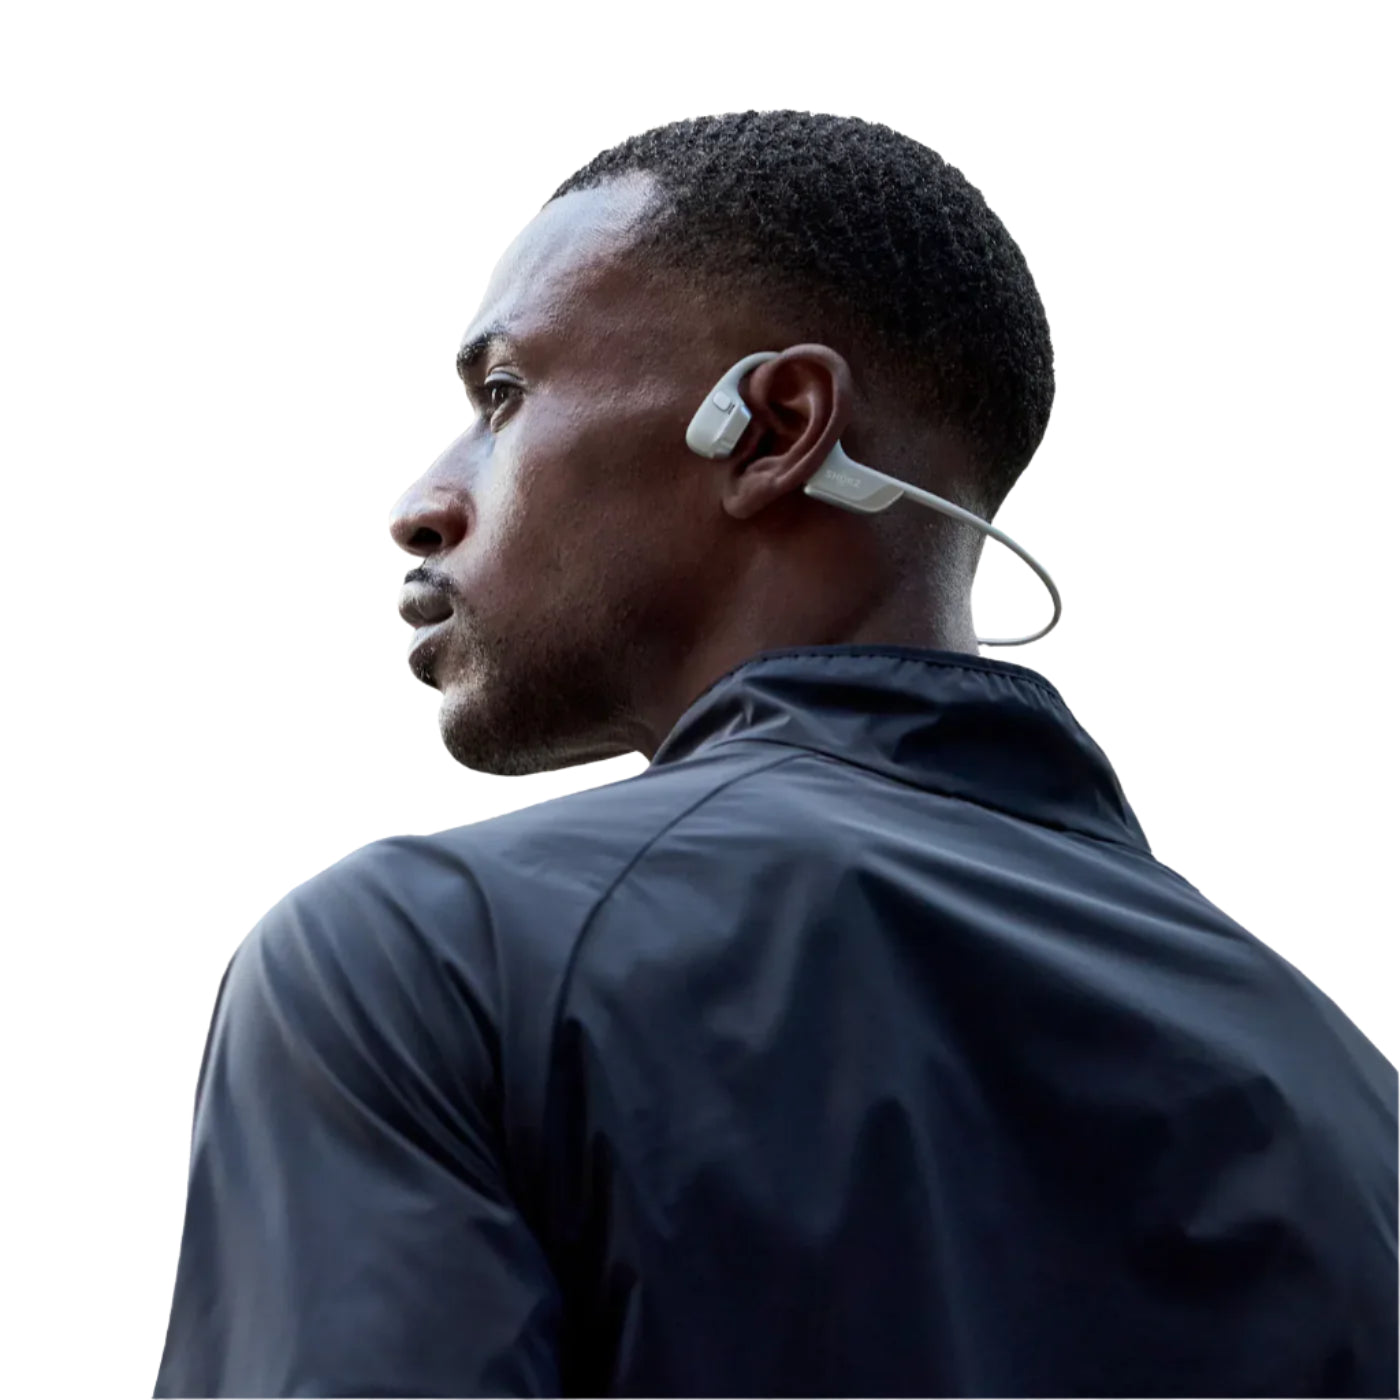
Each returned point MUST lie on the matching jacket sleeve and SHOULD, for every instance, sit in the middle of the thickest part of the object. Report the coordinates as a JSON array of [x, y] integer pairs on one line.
[[348, 1229]]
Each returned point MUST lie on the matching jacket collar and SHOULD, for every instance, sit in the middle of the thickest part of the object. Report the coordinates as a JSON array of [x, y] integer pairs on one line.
[[986, 731]]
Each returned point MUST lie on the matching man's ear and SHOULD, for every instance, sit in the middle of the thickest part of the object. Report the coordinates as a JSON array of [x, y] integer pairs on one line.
[[801, 402]]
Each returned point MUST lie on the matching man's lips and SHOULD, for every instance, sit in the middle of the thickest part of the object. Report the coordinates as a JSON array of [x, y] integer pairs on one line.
[[425, 605], [421, 604]]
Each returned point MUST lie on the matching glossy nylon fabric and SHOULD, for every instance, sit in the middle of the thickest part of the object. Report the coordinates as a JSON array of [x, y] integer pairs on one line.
[[857, 1047]]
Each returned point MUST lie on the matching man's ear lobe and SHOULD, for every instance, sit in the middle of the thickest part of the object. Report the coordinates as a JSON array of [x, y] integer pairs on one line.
[[801, 402]]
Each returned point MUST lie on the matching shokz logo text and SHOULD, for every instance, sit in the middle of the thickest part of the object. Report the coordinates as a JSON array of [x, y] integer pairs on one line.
[[841, 478]]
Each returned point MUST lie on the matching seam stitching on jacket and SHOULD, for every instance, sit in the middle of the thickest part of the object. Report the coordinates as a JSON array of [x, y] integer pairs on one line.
[[571, 962], [586, 927]]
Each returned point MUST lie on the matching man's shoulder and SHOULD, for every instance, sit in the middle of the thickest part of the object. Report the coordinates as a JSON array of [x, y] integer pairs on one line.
[[533, 875], [595, 833]]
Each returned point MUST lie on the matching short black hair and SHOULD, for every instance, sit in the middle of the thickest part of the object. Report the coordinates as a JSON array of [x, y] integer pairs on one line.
[[880, 232]]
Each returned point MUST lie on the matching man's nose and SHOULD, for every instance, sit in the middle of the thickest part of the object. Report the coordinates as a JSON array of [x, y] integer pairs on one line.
[[431, 517]]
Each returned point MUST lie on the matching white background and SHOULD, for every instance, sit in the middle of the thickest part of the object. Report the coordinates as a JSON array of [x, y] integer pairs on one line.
[[240, 245]]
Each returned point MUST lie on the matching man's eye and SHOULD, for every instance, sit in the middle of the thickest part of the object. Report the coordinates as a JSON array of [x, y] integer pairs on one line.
[[498, 393]]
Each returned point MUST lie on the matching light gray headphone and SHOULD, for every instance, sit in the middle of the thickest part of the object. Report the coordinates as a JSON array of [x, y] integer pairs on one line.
[[720, 421]]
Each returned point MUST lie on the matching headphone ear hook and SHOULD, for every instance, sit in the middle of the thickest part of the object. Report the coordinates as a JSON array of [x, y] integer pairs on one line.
[[720, 420], [719, 423]]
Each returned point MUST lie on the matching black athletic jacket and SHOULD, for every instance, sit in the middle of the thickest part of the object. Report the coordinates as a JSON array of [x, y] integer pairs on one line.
[[857, 1047]]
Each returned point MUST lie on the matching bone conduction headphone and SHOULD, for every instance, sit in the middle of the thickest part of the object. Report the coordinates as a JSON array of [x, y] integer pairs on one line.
[[720, 421]]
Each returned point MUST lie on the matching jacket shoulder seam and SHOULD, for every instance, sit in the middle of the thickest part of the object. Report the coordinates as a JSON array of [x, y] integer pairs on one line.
[[617, 881]]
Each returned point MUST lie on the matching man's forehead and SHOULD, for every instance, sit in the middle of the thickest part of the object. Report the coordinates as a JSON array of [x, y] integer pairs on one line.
[[559, 256]]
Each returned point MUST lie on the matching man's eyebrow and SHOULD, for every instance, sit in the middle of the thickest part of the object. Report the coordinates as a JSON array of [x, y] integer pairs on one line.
[[472, 350]]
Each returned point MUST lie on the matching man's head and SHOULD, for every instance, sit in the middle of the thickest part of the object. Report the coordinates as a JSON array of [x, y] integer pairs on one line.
[[584, 575]]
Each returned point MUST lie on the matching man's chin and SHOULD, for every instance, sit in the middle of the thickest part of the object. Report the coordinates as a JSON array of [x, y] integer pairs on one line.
[[511, 742], [471, 751], [486, 743]]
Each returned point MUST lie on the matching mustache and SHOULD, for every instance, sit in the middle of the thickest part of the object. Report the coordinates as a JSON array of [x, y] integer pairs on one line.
[[431, 578]]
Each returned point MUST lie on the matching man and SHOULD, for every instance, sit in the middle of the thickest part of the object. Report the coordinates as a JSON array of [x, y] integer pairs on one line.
[[859, 1046]]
